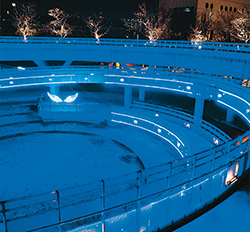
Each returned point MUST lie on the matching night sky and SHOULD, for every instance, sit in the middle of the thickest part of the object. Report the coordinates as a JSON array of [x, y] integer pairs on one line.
[[110, 8]]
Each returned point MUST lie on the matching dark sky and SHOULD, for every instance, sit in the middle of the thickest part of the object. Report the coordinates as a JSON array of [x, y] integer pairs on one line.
[[113, 8]]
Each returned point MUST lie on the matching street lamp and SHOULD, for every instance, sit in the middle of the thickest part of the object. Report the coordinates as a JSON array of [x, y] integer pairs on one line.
[[13, 4]]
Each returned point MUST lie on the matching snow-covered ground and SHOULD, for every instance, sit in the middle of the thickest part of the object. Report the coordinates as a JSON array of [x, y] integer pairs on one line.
[[231, 215], [42, 162], [34, 163]]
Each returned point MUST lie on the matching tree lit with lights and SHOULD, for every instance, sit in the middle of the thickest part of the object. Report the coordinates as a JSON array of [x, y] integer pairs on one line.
[[152, 26], [241, 26], [196, 35], [25, 19], [95, 25], [59, 25]]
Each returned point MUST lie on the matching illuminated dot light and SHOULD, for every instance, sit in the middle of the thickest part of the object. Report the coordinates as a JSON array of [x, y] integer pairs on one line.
[[188, 125], [52, 75], [188, 87], [157, 115], [11, 82], [11, 77], [86, 78], [92, 74], [159, 130], [50, 79], [122, 79], [216, 141], [219, 95], [20, 68], [135, 122]]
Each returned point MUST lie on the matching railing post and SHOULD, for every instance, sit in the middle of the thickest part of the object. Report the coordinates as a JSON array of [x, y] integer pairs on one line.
[[168, 186], [169, 175], [213, 160], [59, 209], [50, 110], [240, 142], [103, 205], [194, 167], [59, 206], [4, 217], [228, 151], [138, 210]]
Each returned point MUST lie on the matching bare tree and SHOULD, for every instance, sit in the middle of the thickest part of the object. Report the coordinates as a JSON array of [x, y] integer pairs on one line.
[[221, 28], [203, 30], [241, 26], [196, 35], [25, 19], [95, 25], [152, 26], [59, 25]]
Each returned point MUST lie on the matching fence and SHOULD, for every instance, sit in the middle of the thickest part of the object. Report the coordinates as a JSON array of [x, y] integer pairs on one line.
[[130, 202], [213, 46]]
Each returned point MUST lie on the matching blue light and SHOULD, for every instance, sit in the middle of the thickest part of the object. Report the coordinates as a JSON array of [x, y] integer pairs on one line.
[[57, 99]]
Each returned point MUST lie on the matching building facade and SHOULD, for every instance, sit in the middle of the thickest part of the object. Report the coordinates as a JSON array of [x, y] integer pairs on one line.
[[186, 14], [199, 6]]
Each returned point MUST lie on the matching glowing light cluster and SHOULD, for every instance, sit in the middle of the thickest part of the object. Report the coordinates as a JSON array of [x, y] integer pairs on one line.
[[57, 99], [232, 174]]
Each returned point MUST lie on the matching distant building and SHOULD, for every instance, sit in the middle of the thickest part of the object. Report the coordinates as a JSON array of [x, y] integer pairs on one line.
[[199, 6], [186, 12]]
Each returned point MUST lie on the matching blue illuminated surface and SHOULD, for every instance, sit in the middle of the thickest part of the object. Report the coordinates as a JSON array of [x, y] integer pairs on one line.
[[175, 199]]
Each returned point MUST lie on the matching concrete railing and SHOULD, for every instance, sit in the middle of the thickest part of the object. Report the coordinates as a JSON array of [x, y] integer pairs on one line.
[[214, 46], [133, 201], [226, 59], [186, 120], [148, 199]]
